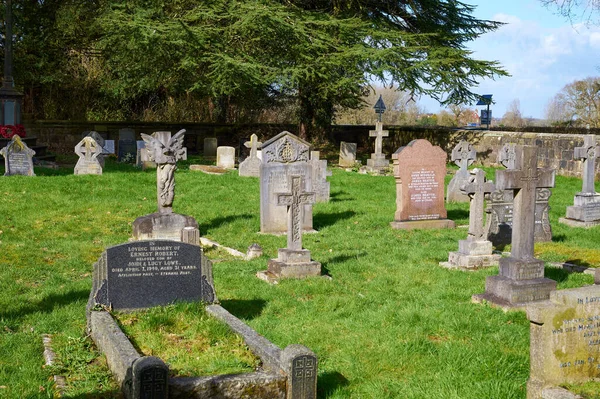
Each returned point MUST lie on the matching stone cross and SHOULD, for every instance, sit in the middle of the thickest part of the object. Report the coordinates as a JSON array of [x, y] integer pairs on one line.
[[379, 134], [507, 156], [476, 189], [463, 155], [295, 201], [588, 153], [253, 144], [524, 182], [88, 149]]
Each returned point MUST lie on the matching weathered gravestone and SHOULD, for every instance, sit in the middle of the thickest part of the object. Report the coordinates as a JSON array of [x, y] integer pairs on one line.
[[347, 154], [320, 184], [165, 151], [283, 156], [521, 276], [226, 157], [293, 261], [377, 163], [250, 167], [500, 207], [88, 151], [586, 209], [564, 339], [108, 146], [127, 145], [142, 274], [476, 250], [210, 147], [463, 155], [18, 158], [419, 169]]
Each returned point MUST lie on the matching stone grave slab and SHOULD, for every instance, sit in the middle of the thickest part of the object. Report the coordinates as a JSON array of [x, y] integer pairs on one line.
[[419, 169], [320, 173], [283, 156], [88, 151], [564, 339], [250, 167], [463, 155], [226, 157], [347, 157], [18, 158], [143, 274], [210, 147]]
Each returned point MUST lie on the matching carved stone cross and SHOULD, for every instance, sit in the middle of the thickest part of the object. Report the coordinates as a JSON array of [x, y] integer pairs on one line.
[[588, 153], [253, 144], [507, 156], [463, 155], [88, 149], [476, 189], [295, 201], [524, 182], [379, 134]]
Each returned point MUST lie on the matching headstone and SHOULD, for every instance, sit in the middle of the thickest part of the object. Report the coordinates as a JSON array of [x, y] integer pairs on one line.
[[149, 378], [250, 167], [142, 274], [226, 157], [586, 209], [476, 250], [293, 261], [165, 151], [283, 156], [254, 251], [463, 155], [104, 144], [127, 145], [564, 339], [210, 147], [377, 163], [141, 145], [88, 151], [320, 184], [521, 276], [419, 169], [18, 158], [500, 207], [300, 365], [347, 154]]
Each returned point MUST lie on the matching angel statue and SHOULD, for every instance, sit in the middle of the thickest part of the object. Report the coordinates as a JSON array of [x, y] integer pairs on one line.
[[165, 151]]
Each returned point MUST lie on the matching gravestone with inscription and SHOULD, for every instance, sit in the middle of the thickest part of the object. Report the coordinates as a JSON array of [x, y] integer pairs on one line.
[[88, 151], [521, 276], [320, 172], [419, 169], [165, 151], [476, 250], [377, 163], [226, 157], [293, 261], [210, 147], [463, 155], [108, 146], [283, 156], [127, 146], [586, 209], [142, 274], [500, 208], [347, 155], [18, 158], [250, 167], [564, 339]]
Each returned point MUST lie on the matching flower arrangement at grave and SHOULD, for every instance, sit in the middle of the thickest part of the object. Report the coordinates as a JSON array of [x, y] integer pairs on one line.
[[8, 131]]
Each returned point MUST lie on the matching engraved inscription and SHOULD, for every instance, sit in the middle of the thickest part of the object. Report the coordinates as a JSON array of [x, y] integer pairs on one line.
[[422, 186], [153, 261], [154, 383]]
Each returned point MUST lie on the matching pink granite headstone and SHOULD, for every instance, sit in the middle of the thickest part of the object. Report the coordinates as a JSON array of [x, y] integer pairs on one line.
[[419, 169]]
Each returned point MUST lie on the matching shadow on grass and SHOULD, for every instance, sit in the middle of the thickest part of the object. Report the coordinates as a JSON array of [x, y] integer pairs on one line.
[[339, 196], [321, 220], [578, 262], [244, 309], [559, 238], [48, 303], [219, 221], [455, 214], [328, 382], [556, 274]]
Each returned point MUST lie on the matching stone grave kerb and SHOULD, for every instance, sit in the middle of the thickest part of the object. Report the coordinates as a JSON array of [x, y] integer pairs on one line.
[[588, 154]]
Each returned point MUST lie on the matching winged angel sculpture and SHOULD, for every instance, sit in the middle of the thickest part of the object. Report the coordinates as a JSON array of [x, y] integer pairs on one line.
[[165, 151]]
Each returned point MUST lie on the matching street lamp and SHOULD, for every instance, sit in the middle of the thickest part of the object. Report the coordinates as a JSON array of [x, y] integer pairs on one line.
[[10, 99], [379, 107]]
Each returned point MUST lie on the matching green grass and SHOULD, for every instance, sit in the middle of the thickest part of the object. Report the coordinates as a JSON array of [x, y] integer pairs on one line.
[[390, 324]]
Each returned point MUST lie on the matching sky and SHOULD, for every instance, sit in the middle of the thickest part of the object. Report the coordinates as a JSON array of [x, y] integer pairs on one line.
[[541, 50]]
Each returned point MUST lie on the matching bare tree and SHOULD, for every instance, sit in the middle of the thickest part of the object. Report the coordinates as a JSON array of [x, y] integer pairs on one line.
[[577, 103], [584, 10], [513, 116]]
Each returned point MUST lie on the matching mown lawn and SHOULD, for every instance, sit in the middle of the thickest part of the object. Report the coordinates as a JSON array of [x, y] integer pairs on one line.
[[390, 323]]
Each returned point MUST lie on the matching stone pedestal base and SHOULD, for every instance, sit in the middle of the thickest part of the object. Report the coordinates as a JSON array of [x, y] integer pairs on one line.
[[378, 161], [423, 224], [578, 223], [165, 226], [290, 264], [471, 255], [507, 293], [586, 208]]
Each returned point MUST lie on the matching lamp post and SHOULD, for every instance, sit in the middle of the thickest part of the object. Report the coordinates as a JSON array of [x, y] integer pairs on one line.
[[379, 107], [10, 99]]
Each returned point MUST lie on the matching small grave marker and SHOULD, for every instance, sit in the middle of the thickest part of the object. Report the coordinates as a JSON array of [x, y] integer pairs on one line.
[[18, 158], [226, 157], [250, 166], [347, 155], [88, 151]]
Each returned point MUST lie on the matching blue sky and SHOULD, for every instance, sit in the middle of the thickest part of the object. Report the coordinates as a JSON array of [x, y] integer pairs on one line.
[[541, 50]]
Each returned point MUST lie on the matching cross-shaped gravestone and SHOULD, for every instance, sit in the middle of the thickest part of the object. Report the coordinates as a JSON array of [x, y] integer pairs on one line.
[[476, 189], [588, 153], [253, 144], [379, 134], [524, 182], [463, 155], [508, 157], [88, 149], [295, 201]]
